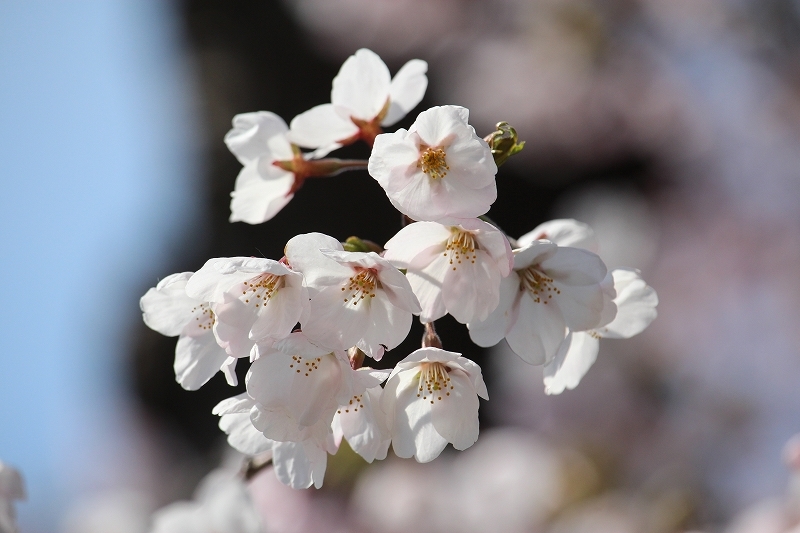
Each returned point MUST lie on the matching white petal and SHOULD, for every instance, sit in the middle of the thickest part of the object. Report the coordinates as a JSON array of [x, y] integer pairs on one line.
[[232, 327], [292, 465], [362, 85], [243, 436], [471, 290], [412, 240], [363, 424], [455, 415], [534, 252], [251, 131], [280, 313], [321, 126], [575, 356], [563, 232], [166, 308], [470, 161], [304, 387], [574, 266], [413, 433], [197, 359], [389, 325], [397, 289], [406, 90], [427, 286], [499, 322], [636, 305], [257, 198], [228, 369], [304, 256], [538, 331], [393, 161], [334, 322], [438, 125]]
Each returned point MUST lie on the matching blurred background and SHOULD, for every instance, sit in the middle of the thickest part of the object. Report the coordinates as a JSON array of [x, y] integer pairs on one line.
[[671, 126]]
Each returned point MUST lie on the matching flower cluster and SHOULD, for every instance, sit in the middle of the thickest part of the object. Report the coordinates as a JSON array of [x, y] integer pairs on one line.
[[307, 321]]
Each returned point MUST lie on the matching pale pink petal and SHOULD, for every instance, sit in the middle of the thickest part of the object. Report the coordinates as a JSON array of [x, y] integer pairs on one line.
[[406, 90]]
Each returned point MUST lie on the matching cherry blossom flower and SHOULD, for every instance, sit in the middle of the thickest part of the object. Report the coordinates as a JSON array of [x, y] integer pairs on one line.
[[255, 299], [11, 488], [167, 309], [361, 420], [297, 464], [363, 99], [259, 140], [453, 269], [437, 169], [357, 299], [430, 399], [552, 288], [235, 421], [296, 385], [221, 503], [636, 308]]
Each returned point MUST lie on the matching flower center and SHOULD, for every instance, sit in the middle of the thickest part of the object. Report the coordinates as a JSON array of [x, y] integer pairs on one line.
[[540, 286], [433, 163], [361, 285], [303, 366], [205, 316], [261, 288], [460, 247], [434, 382]]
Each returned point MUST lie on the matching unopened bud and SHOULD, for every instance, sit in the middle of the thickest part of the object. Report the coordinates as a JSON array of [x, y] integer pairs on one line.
[[356, 357], [355, 244], [504, 143]]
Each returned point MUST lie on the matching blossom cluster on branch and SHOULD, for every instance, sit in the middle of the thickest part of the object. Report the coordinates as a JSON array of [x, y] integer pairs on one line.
[[307, 321]]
